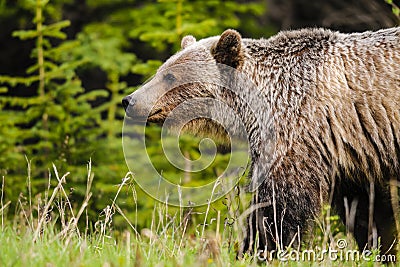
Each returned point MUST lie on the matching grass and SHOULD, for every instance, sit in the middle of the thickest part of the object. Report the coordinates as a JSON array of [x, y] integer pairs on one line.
[[53, 232]]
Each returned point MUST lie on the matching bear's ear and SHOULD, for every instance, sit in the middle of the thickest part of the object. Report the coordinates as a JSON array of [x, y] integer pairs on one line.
[[228, 50], [187, 40]]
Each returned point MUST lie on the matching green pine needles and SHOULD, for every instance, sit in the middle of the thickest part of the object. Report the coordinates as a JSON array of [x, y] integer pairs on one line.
[[66, 108], [56, 120]]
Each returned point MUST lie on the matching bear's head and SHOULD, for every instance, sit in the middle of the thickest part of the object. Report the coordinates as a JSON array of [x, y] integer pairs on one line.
[[209, 89], [189, 74]]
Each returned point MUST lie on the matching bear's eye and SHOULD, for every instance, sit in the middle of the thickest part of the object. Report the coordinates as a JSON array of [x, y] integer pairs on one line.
[[169, 78]]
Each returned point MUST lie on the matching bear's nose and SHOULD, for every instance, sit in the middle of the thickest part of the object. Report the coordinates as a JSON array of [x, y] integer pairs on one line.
[[126, 101]]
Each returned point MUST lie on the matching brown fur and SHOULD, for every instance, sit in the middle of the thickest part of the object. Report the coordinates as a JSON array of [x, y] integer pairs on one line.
[[334, 102]]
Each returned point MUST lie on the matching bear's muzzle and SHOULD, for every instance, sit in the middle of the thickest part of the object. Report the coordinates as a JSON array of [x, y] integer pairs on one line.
[[126, 101]]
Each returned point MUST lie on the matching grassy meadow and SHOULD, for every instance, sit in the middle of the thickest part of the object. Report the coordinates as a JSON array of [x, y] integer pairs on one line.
[[48, 230]]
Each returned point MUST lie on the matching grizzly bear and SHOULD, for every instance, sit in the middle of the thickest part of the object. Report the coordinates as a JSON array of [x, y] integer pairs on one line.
[[333, 103]]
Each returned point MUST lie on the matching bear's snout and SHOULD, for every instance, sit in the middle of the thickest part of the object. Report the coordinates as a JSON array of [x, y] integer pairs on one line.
[[126, 101], [129, 104], [135, 108]]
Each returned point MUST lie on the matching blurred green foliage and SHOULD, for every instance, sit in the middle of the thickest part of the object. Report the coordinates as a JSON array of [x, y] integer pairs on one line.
[[85, 56]]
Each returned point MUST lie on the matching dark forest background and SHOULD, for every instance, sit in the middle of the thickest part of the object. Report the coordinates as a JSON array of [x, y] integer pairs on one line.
[[66, 64]]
